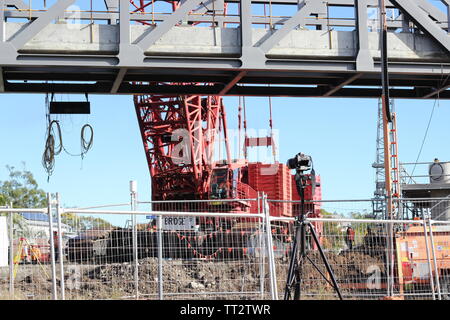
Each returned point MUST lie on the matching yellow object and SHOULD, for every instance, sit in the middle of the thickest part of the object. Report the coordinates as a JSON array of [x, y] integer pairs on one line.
[[34, 254]]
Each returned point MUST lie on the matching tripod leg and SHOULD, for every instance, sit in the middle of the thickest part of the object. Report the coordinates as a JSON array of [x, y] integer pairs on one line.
[[324, 258], [302, 253], [292, 266], [298, 285]]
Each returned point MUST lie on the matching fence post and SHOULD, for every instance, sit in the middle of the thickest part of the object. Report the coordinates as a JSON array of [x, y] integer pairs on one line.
[[272, 265], [428, 256], [160, 258], [388, 259], [60, 249], [436, 272], [392, 257], [11, 253], [52, 246], [262, 251], [133, 193]]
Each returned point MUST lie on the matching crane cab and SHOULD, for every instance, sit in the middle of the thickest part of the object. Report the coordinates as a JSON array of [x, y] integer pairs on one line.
[[220, 184], [225, 179]]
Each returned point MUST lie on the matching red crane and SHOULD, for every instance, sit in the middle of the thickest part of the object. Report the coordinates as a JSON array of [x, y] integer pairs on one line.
[[179, 135]]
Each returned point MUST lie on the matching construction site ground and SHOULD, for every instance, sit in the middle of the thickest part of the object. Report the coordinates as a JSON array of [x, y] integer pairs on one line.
[[191, 279]]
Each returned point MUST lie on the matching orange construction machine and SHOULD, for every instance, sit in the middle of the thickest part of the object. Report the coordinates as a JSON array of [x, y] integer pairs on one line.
[[423, 257]]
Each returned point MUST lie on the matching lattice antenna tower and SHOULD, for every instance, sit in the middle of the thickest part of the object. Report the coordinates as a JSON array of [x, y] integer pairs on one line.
[[379, 203], [379, 199]]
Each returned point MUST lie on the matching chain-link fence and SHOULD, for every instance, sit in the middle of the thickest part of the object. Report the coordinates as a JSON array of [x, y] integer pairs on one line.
[[186, 250]]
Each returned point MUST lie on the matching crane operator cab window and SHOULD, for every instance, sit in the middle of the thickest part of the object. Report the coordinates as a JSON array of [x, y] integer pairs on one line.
[[220, 184]]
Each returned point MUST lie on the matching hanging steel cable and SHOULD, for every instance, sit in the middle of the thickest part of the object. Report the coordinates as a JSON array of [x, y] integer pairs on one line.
[[54, 135]]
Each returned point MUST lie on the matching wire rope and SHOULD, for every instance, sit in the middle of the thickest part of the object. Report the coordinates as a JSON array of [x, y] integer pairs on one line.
[[436, 102], [54, 143]]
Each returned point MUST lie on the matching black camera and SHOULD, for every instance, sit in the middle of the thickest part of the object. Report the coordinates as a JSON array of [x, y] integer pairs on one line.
[[300, 162]]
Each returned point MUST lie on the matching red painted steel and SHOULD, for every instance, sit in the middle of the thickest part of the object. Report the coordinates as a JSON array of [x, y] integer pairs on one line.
[[179, 133]]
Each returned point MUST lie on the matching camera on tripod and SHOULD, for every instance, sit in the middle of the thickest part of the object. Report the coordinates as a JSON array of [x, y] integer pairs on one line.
[[303, 163], [300, 162], [304, 230]]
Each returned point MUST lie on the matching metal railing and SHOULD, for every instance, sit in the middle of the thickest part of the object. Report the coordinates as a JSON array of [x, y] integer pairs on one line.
[[143, 253], [419, 173], [263, 14]]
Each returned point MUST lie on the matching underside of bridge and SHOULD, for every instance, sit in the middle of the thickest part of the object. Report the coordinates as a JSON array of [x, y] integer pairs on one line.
[[312, 48]]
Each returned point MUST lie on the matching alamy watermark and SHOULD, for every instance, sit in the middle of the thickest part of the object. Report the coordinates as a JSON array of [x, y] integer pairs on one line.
[[214, 147]]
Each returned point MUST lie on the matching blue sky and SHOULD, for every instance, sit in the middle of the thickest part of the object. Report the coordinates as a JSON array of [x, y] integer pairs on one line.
[[338, 133]]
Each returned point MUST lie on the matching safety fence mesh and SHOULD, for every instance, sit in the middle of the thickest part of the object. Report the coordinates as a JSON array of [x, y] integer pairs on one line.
[[157, 251]]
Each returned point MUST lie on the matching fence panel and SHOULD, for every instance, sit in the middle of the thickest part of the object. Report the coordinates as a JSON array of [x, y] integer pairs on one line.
[[371, 259], [440, 243], [222, 262], [220, 257], [27, 273], [98, 258], [195, 255], [436, 211], [210, 253], [4, 255]]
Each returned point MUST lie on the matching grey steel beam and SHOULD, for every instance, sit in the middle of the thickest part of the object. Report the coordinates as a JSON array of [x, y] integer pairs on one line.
[[128, 54], [252, 77], [37, 25], [128, 88], [447, 3], [111, 4], [335, 89], [2, 21], [364, 59], [246, 23], [436, 92], [118, 81], [118, 58], [307, 7], [431, 10], [411, 8], [231, 19], [124, 24], [19, 4], [347, 3], [178, 64], [2, 81], [162, 28], [83, 16], [52, 76], [232, 83], [251, 57]]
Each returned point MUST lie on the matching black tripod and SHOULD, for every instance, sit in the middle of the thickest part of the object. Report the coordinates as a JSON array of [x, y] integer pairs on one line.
[[298, 258]]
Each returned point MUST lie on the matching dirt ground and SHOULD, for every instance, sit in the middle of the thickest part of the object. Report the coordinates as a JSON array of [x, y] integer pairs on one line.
[[190, 279], [245, 278], [185, 279]]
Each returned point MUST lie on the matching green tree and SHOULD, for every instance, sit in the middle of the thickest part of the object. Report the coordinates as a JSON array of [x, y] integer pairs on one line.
[[360, 227], [21, 190], [332, 232], [82, 223]]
